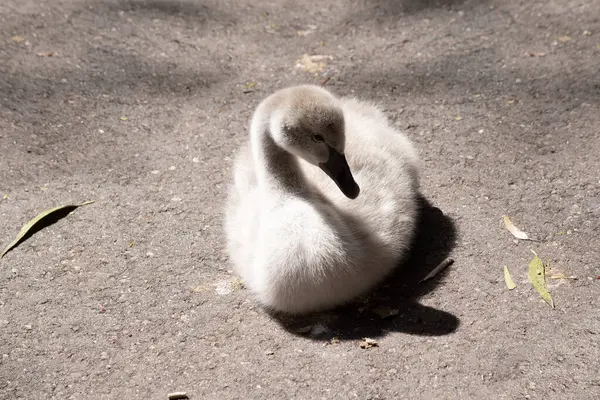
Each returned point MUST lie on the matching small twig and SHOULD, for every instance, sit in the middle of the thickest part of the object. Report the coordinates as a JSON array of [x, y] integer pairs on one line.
[[178, 396], [325, 81], [443, 265]]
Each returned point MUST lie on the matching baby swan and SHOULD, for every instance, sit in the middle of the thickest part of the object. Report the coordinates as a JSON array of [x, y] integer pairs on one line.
[[323, 201]]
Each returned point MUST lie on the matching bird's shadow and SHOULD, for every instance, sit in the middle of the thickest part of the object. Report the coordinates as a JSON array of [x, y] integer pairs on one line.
[[393, 306]]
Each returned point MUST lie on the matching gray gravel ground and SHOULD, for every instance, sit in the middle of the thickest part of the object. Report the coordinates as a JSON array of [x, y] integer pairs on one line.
[[140, 107]]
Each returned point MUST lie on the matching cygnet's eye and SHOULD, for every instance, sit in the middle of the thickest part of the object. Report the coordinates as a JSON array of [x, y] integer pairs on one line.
[[318, 138]]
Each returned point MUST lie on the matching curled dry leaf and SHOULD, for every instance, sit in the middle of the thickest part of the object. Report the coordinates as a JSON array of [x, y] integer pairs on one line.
[[46, 54], [442, 266], [510, 284], [28, 228], [178, 396], [537, 277], [516, 232], [536, 54], [367, 343]]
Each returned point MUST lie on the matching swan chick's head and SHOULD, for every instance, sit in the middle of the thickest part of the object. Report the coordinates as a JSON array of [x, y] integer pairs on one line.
[[309, 123]]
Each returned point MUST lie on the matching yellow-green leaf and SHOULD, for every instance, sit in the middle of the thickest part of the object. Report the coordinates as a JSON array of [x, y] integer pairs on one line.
[[27, 228], [510, 284], [537, 277]]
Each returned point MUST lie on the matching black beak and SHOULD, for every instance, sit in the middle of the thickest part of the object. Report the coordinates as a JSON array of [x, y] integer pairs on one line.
[[337, 168]]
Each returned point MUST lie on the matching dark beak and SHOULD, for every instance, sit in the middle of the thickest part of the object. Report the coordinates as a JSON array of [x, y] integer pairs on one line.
[[337, 168]]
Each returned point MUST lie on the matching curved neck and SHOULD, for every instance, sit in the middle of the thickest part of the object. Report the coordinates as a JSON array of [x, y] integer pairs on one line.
[[276, 169]]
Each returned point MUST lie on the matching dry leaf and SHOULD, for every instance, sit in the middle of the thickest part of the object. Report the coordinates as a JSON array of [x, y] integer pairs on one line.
[[18, 39], [310, 29], [368, 343], [5, 197], [27, 227], [272, 26], [200, 288], [587, 33], [123, 118], [313, 64], [178, 396], [555, 273], [249, 87], [537, 277], [563, 276], [46, 54], [516, 232], [385, 312], [238, 284], [510, 284], [443, 265], [564, 39], [535, 54], [458, 118]]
